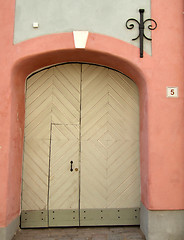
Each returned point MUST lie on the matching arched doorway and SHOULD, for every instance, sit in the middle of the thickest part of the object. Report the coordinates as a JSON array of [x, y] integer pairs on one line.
[[81, 151]]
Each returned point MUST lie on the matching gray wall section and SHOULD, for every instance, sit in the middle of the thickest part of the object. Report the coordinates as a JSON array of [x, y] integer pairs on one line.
[[162, 225], [8, 232], [97, 16]]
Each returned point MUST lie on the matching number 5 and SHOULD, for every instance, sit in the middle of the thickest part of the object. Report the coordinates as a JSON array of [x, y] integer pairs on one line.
[[172, 92]]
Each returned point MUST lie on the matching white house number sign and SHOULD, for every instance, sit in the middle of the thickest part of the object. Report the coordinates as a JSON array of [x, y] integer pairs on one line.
[[172, 92]]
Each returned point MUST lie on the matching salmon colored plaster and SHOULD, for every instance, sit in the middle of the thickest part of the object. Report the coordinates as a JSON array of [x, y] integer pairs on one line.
[[161, 118]]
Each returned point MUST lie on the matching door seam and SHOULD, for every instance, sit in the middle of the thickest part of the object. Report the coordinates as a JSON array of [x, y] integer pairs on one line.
[[80, 143], [49, 173]]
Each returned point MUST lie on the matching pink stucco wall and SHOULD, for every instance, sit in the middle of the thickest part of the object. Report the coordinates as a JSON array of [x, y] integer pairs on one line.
[[161, 118]]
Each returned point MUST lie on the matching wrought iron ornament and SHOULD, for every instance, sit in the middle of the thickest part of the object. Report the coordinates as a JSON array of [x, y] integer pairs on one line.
[[141, 35]]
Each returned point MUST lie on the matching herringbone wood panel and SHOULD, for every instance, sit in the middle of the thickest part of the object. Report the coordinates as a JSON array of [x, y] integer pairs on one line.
[[109, 139], [64, 184], [37, 141], [52, 96]]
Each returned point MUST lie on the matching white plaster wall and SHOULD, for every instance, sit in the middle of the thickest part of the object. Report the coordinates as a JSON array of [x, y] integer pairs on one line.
[[97, 16]]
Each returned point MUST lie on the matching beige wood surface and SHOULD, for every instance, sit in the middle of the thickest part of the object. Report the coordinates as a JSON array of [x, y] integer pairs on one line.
[[109, 140], [89, 115], [64, 184], [52, 97], [37, 141]]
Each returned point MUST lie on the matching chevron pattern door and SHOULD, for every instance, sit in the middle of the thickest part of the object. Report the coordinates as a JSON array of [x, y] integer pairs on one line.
[[64, 177], [81, 150], [51, 142], [109, 148]]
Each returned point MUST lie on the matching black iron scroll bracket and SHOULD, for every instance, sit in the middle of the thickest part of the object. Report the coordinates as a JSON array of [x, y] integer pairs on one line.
[[141, 24]]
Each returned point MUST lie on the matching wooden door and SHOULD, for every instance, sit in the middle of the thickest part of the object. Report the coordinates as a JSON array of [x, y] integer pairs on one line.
[[51, 138], [110, 186], [85, 118], [64, 176]]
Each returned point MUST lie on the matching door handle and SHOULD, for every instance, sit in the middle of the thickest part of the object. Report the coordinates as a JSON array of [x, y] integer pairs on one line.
[[71, 168]]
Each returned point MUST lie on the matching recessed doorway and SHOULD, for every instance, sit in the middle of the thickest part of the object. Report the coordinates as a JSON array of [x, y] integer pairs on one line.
[[81, 149]]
